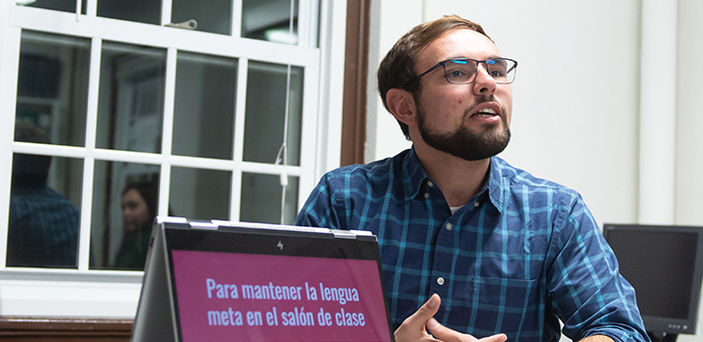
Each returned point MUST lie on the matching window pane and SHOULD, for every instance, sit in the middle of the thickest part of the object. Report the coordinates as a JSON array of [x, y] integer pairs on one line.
[[58, 5], [261, 199], [143, 11], [216, 17], [200, 194], [125, 200], [204, 107], [52, 85], [265, 112], [45, 195], [131, 98], [270, 20]]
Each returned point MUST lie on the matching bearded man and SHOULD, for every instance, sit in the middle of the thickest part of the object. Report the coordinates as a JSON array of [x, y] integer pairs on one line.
[[507, 254]]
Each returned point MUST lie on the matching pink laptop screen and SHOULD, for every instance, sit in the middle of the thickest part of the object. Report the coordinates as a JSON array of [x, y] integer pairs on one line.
[[257, 297]]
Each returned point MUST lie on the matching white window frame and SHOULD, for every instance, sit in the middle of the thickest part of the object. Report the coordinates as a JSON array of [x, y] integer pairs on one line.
[[97, 293]]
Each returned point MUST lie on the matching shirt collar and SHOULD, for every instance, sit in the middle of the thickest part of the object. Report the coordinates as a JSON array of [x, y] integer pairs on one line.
[[415, 179], [496, 188]]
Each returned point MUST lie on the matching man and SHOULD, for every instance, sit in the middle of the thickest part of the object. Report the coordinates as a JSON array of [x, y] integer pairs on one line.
[[43, 225], [507, 253]]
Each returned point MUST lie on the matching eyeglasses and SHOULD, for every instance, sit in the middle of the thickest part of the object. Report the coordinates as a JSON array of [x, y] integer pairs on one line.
[[463, 70]]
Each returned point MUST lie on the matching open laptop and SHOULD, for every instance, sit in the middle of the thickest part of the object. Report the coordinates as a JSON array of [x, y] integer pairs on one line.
[[221, 281]]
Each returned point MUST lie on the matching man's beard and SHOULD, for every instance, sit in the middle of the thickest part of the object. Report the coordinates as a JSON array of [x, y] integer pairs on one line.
[[463, 143]]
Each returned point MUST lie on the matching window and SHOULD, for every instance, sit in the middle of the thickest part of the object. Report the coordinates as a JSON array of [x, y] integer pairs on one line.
[[124, 110]]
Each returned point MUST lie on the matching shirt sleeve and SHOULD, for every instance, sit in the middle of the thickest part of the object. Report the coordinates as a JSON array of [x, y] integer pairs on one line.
[[585, 286], [319, 209]]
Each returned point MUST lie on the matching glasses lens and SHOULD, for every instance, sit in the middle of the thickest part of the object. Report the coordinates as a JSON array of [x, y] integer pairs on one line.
[[459, 71], [502, 70]]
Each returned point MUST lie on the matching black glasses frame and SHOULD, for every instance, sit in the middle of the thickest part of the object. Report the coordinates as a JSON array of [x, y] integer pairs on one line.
[[478, 62]]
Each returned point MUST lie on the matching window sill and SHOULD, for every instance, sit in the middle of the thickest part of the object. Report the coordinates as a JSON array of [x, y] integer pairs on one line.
[[69, 293]]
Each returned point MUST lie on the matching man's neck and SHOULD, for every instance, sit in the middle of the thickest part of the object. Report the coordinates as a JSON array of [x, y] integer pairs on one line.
[[458, 179]]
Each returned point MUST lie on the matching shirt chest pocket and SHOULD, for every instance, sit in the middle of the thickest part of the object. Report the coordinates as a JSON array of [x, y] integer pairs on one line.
[[482, 303]]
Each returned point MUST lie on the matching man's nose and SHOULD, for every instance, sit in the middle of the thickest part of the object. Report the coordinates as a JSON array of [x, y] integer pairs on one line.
[[484, 83]]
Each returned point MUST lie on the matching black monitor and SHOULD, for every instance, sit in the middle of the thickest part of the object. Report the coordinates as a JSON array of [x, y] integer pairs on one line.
[[664, 264]]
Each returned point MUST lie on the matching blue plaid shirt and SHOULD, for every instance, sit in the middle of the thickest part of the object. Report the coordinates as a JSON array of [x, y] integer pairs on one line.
[[42, 229], [519, 254]]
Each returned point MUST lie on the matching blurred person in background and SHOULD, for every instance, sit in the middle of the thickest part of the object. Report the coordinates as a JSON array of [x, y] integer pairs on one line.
[[43, 224], [138, 205]]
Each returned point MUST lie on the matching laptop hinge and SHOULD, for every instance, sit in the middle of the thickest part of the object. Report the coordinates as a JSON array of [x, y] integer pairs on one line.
[[344, 234], [203, 225], [171, 219]]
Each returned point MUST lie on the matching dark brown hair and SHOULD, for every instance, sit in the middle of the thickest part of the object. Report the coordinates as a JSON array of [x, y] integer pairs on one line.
[[397, 67], [30, 170]]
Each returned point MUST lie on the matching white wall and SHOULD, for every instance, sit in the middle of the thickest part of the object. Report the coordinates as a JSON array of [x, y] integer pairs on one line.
[[383, 135], [689, 143], [689, 138], [576, 97]]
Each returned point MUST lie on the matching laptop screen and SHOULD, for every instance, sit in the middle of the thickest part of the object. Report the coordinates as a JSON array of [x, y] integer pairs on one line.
[[243, 284]]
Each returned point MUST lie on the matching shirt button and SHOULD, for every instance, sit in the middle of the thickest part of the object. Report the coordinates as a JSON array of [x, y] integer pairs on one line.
[[427, 195], [449, 227], [476, 204], [440, 281], [430, 184]]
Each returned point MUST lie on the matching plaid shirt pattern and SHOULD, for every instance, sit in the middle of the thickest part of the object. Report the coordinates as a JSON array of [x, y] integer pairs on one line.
[[520, 254], [42, 229]]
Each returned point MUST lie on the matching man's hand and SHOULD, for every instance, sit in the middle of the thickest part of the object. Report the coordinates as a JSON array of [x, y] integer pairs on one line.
[[415, 328], [597, 338]]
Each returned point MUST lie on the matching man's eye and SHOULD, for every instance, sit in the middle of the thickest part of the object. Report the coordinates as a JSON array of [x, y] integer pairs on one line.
[[455, 73], [497, 73]]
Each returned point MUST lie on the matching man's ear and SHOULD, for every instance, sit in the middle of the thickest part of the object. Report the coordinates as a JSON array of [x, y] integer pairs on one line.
[[401, 104]]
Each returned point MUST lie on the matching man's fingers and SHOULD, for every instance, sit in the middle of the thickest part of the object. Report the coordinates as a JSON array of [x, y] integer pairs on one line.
[[441, 332], [426, 311], [413, 327], [495, 338], [445, 334]]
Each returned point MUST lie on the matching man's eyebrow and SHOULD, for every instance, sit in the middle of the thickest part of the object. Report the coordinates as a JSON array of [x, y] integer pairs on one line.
[[464, 57]]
